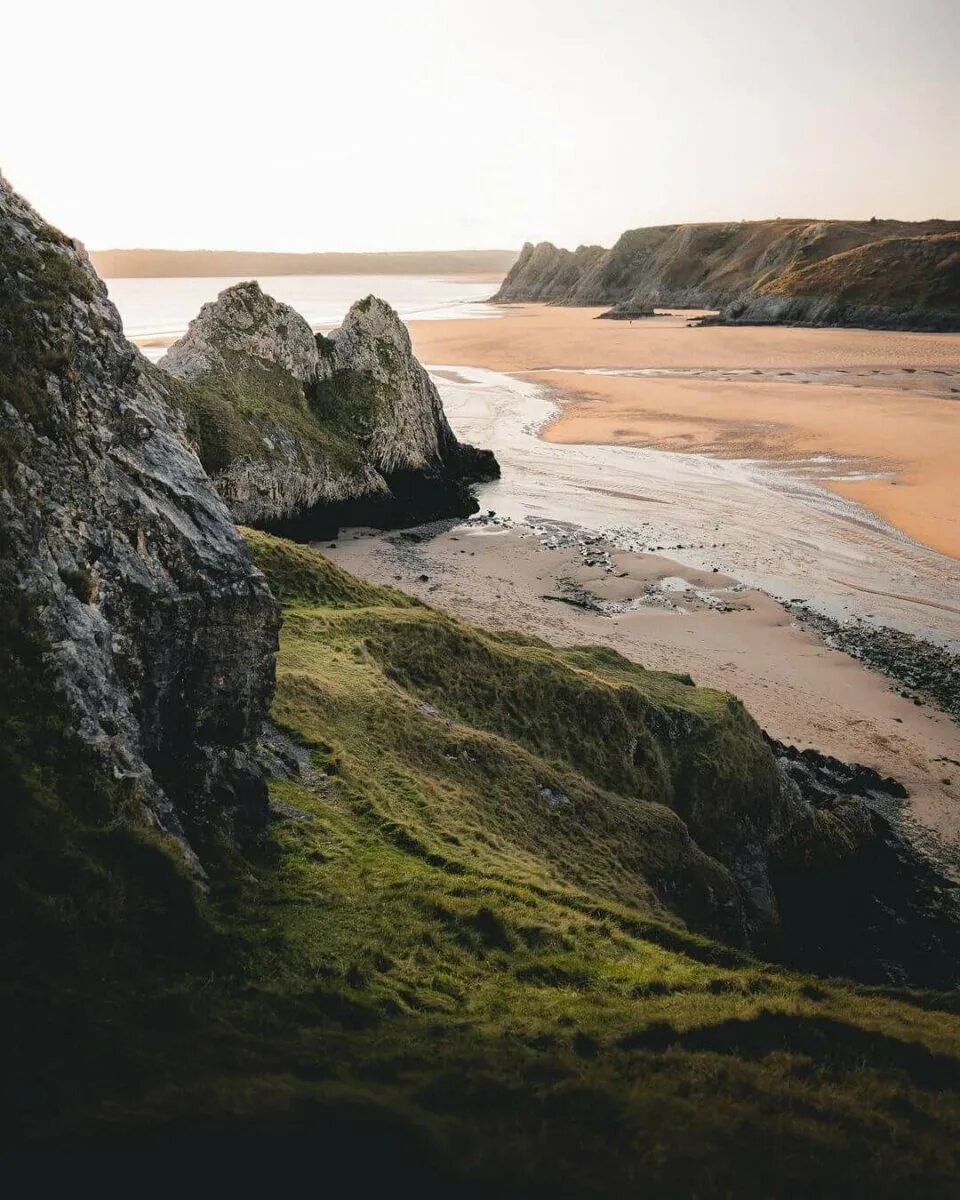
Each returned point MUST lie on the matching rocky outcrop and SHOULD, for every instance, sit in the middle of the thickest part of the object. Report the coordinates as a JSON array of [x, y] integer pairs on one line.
[[243, 324], [546, 273], [879, 274], [855, 895], [302, 433], [135, 624]]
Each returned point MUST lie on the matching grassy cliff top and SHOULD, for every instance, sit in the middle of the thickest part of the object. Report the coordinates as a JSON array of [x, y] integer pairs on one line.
[[460, 949], [921, 270]]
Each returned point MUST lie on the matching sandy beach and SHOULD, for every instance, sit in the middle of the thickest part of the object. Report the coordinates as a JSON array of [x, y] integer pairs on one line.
[[587, 418], [726, 636], [885, 406]]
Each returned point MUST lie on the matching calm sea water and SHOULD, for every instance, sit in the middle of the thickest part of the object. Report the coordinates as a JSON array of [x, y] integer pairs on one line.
[[157, 311]]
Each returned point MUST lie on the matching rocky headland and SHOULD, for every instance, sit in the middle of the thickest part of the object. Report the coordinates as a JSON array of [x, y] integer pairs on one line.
[[875, 274], [302, 433]]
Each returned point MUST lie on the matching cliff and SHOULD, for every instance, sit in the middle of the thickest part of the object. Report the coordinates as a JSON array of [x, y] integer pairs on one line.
[[157, 633], [600, 775], [883, 274], [302, 433], [481, 956]]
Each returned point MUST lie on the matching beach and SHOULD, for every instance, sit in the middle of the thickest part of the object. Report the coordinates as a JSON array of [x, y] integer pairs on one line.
[[686, 494], [667, 616], [879, 411]]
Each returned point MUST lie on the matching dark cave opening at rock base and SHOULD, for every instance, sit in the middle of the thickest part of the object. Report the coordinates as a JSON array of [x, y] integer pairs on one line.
[[414, 498]]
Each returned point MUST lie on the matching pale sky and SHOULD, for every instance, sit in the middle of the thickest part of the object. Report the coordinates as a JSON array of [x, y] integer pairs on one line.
[[437, 124]]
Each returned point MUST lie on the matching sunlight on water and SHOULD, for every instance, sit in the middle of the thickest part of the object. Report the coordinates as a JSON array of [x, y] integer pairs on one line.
[[156, 312]]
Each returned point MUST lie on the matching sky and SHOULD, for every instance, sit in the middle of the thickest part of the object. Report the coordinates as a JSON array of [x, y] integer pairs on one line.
[[441, 124]]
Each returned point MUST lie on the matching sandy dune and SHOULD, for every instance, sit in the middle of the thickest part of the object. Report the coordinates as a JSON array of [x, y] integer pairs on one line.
[[887, 405]]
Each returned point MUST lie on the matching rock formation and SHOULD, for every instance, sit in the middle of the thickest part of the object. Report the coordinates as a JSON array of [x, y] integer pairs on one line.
[[134, 621], [302, 433], [879, 274]]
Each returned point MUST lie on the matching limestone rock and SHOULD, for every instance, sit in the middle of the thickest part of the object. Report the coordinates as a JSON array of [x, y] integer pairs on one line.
[[303, 433], [243, 321], [159, 633]]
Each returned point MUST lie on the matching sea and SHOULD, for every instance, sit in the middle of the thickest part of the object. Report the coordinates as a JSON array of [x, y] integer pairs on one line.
[[156, 312]]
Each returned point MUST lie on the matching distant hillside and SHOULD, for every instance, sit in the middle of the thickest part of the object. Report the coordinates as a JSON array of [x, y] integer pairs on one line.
[[127, 264], [885, 274]]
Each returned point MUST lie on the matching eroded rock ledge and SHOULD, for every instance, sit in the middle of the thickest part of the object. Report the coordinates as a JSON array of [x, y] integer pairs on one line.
[[303, 433]]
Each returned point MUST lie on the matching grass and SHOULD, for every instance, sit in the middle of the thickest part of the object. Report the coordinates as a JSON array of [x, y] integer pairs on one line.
[[885, 264], [255, 410], [472, 953], [918, 272]]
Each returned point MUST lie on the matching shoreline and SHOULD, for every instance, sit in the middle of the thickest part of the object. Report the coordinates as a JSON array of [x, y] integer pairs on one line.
[[571, 585], [156, 310], [884, 406], [773, 529], [811, 673], [890, 453]]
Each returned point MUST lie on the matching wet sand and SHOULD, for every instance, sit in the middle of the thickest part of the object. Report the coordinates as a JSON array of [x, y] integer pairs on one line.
[[798, 689], [770, 525], [885, 406], [904, 447]]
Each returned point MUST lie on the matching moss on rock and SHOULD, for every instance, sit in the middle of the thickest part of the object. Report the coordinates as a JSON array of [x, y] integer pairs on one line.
[[302, 432]]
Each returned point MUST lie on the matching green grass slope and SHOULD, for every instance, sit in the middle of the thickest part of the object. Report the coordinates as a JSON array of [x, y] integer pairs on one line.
[[471, 956], [922, 271]]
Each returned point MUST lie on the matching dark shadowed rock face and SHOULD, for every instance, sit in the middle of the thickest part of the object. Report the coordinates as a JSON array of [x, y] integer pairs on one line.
[[303, 433], [856, 897], [156, 634]]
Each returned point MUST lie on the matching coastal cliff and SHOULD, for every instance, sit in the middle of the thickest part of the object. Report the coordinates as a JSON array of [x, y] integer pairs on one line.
[[122, 571], [302, 433], [877, 274]]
